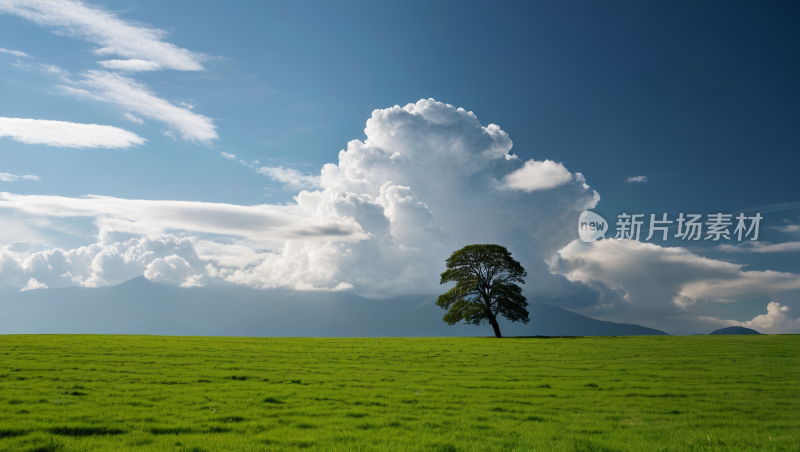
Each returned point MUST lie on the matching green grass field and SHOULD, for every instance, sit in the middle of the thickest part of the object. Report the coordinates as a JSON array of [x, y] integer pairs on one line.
[[82, 393]]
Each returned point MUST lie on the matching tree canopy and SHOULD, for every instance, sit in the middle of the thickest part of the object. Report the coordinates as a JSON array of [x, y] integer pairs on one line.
[[486, 278]]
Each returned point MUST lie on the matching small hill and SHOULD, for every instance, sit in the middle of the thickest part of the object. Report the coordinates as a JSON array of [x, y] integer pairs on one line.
[[735, 330]]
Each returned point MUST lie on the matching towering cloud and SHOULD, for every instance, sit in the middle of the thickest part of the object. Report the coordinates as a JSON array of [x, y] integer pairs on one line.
[[381, 222], [423, 184], [428, 180]]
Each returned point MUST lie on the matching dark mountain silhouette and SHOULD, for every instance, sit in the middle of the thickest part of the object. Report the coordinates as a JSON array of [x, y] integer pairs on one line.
[[735, 330], [140, 306]]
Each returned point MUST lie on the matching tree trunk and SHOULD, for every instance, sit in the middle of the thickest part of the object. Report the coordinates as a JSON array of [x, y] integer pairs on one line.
[[496, 327]]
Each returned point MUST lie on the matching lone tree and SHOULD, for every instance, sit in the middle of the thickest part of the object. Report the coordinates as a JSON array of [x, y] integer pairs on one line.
[[486, 277]]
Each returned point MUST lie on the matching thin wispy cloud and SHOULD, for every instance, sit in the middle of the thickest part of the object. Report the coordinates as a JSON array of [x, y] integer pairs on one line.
[[132, 118], [136, 216], [760, 247], [290, 178], [116, 36], [228, 155], [137, 97], [788, 229], [7, 177], [67, 134], [130, 65], [15, 53], [639, 179], [52, 69]]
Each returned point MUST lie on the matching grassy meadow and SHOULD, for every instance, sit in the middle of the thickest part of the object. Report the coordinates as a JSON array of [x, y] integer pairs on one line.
[[154, 393]]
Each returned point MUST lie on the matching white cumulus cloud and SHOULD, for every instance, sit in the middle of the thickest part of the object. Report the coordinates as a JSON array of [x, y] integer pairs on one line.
[[777, 320], [116, 36], [380, 222], [636, 179], [537, 176], [160, 257], [67, 134], [173, 270], [228, 155]]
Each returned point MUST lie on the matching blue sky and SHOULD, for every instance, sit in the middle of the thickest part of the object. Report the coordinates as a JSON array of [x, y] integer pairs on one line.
[[699, 99]]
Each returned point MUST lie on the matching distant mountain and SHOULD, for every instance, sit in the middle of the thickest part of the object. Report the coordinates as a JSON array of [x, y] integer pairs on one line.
[[140, 306], [735, 330], [19, 308]]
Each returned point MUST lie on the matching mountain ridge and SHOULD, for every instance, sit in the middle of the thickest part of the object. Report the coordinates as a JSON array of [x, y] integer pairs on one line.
[[140, 306]]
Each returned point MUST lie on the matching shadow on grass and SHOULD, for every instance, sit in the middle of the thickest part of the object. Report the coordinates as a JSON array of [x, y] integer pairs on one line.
[[231, 419], [85, 431], [186, 430], [4, 433], [442, 448], [591, 446], [171, 430], [46, 448], [632, 394]]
